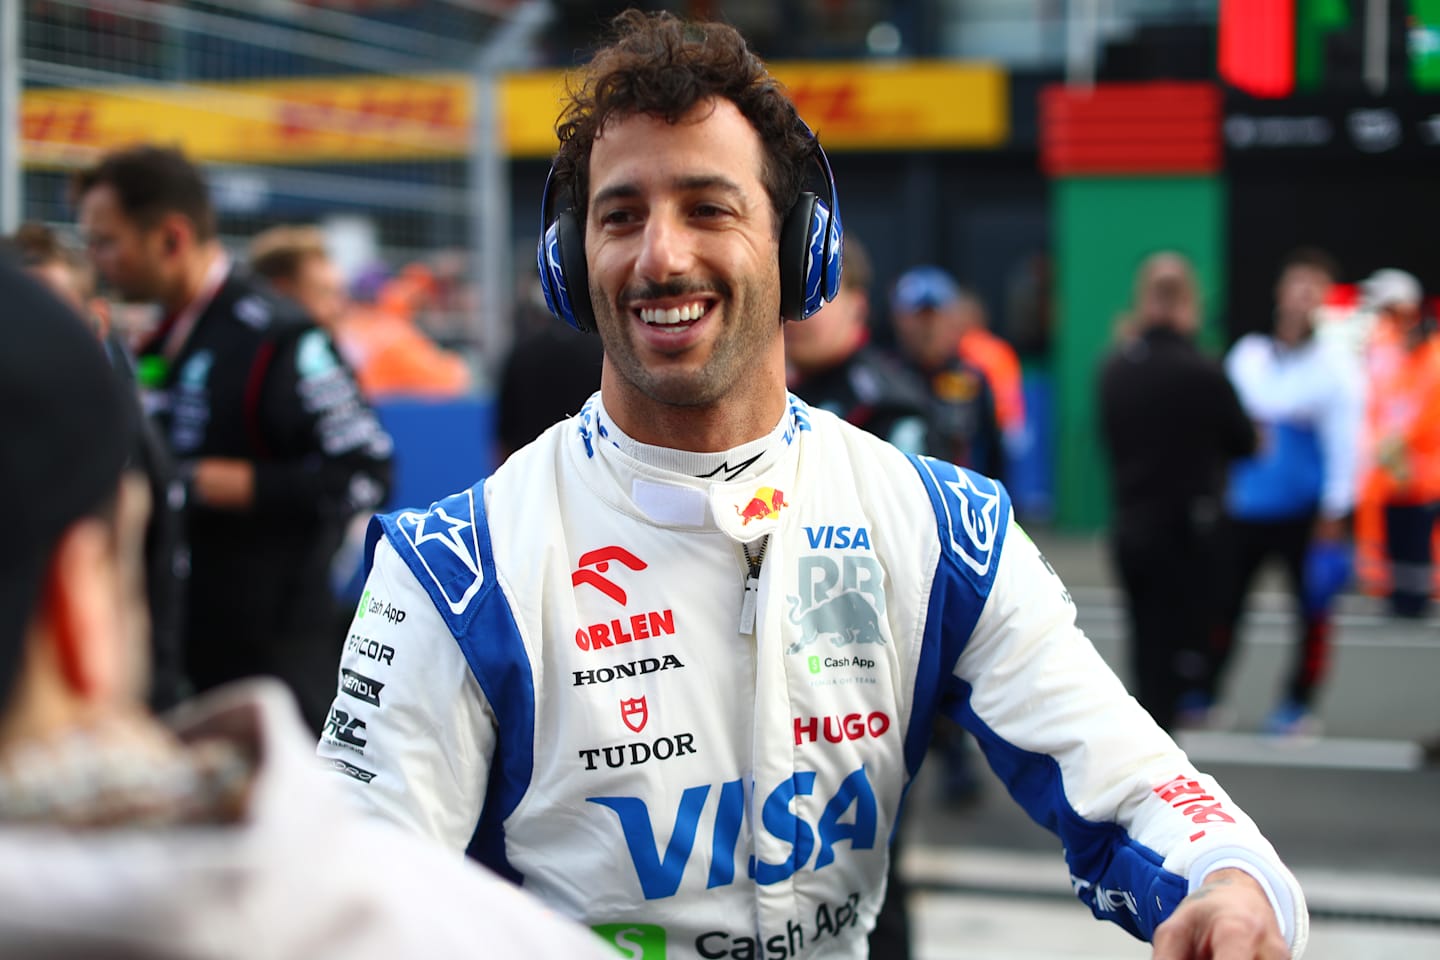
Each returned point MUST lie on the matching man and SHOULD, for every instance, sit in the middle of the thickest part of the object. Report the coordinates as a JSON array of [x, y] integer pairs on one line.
[[933, 318], [1292, 499], [673, 663], [277, 446], [64, 271], [1403, 427], [833, 365], [120, 836], [1171, 424], [297, 263]]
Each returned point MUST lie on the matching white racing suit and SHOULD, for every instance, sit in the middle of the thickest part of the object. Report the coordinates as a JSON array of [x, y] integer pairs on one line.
[[555, 670]]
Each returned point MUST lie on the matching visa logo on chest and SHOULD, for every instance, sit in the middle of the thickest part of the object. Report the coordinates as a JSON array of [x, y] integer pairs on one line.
[[849, 815], [838, 538]]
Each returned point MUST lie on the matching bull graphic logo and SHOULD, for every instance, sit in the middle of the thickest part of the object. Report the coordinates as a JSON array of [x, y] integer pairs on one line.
[[635, 713], [848, 617], [766, 502], [600, 560]]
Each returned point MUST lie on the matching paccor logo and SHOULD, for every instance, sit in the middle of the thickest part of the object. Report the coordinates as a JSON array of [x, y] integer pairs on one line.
[[849, 816], [837, 729], [636, 752], [597, 562], [360, 687], [374, 650], [635, 713], [344, 730], [627, 670], [842, 599], [635, 941]]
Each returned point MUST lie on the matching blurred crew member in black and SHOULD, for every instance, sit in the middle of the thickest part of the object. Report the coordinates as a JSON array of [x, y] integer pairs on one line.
[[276, 446], [832, 365], [1171, 424]]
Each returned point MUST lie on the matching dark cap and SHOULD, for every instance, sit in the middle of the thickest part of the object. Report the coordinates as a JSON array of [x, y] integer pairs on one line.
[[65, 430]]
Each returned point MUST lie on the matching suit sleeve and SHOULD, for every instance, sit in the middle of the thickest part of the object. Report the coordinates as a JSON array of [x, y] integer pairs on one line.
[[410, 731], [328, 452], [1141, 827]]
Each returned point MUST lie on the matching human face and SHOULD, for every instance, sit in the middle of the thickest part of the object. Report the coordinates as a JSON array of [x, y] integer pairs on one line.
[[930, 336], [680, 225], [1301, 291], [319, 289], [130, 257]]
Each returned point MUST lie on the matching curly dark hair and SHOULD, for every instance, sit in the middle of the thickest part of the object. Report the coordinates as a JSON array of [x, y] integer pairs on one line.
[[658, 65]]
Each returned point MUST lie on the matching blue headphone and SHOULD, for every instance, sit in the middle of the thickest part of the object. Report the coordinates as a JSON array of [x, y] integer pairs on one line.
[[812, 246]]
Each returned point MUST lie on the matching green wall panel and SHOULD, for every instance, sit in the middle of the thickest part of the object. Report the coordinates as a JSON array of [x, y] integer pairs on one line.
[[1103, 228]]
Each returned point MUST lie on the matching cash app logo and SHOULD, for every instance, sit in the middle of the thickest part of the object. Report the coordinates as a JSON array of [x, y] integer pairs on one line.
[[638, 941], [814, 664], [364, 602]]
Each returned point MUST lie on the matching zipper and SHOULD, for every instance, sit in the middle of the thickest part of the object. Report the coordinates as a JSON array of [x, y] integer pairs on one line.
[[751, 595]]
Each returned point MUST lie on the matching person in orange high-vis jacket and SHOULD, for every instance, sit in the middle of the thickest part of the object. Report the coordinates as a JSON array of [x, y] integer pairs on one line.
[[1403, 435], [391, 354]]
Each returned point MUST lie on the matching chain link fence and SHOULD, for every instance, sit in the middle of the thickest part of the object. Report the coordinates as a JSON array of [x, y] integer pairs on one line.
[[365, 117]]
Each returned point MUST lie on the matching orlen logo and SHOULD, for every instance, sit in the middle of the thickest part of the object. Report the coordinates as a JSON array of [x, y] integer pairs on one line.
[[635, 713], [766, 502], [852, 726], [1191, 799], [600, 560]]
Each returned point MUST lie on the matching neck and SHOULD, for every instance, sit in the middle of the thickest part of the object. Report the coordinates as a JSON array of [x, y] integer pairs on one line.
[[747, 412], [191, 282]]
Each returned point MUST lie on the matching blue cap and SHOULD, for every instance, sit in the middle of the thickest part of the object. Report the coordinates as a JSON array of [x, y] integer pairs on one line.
[[924, 287]]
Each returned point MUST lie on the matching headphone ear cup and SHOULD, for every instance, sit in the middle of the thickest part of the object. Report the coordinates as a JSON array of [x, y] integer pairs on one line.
[[795, 258], [577, 271], [564, 277]]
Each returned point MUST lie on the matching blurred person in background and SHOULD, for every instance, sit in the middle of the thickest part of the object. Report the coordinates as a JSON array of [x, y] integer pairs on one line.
[[832, 364], [1293, 499], [1403, 434], [64, 270], [274, 444], [550, 371], [212, 834], [297, 263], [382, 339], [1171, 425], [931, 317]]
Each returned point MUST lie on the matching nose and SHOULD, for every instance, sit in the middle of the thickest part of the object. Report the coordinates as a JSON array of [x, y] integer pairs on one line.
[[665, 247]]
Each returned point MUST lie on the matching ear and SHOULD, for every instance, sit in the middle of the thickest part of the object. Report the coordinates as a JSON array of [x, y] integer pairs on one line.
[[177, 233], [79, 599]]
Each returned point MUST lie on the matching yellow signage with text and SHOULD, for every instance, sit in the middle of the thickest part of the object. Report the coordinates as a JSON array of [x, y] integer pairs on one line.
[[854, 106]]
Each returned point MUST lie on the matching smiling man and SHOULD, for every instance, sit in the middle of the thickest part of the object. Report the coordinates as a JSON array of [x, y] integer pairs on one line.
[[674, 663]]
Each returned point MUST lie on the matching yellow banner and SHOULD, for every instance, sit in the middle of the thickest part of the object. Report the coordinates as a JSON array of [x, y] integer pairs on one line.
[[852, 106]]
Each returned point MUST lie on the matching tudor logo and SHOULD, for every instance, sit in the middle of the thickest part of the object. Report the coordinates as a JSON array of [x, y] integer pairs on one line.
[[596, 562], [635, 713]]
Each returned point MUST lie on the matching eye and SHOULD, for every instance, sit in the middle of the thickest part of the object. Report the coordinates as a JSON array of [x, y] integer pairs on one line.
[[618, 216], [709, 210]]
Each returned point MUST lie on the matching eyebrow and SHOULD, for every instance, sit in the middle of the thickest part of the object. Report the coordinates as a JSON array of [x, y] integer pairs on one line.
[[627, 191]]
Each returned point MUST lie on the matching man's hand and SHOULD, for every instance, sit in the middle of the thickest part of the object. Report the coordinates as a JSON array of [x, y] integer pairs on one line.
[[1228, 918], [223, 483]]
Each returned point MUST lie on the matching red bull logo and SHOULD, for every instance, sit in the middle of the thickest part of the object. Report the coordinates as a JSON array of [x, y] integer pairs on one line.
[[766, 503]]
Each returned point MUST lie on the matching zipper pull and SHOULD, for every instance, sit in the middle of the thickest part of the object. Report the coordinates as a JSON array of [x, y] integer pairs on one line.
[[751, 596]]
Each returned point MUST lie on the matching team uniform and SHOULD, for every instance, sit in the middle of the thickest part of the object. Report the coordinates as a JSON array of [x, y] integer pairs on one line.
[[684, 710], [874, 392], [245, 374]]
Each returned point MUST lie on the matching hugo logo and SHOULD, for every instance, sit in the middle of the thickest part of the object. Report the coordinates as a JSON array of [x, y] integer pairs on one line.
[[600, 561], [852, 726]]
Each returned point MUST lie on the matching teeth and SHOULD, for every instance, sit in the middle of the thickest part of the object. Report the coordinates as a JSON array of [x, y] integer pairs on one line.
[[673, 315]]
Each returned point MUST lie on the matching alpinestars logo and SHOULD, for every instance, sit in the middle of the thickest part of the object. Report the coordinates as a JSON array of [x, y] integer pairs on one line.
[[597, 562]]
